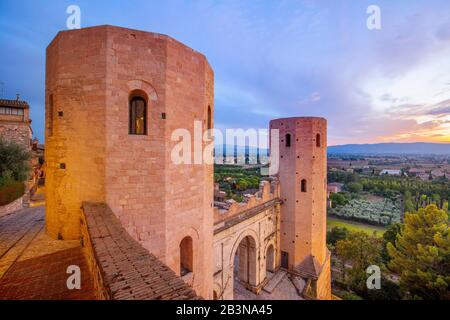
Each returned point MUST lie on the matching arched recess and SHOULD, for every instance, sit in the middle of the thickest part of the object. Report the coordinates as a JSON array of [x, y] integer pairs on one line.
[[246, 250], [194, 236], [186, 256]]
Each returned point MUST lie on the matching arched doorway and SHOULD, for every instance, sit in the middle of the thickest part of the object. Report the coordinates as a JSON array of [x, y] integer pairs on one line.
[[186, 256], [245, 262]]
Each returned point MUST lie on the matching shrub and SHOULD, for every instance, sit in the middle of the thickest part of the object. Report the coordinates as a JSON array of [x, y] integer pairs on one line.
[[14, 161], [11, 191]]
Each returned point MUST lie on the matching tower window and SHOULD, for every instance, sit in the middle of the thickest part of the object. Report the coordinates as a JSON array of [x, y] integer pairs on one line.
[[303, 185], [186, 256], [138, 116], [288, 140], [318, 140]]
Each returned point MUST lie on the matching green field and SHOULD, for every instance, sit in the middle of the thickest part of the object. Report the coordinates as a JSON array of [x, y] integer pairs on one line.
[[354, 226]]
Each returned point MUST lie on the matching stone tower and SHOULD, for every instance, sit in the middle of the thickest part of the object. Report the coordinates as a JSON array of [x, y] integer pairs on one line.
[[114, 96], [303, 179]]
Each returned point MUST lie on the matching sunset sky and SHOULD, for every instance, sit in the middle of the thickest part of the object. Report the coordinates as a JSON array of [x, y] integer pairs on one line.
[[274, 59]]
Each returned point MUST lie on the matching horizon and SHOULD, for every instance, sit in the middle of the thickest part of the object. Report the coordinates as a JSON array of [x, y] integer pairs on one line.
[[373, 86]]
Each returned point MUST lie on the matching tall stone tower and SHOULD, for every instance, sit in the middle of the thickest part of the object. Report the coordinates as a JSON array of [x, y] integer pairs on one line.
[[114, 97], [303, 179]]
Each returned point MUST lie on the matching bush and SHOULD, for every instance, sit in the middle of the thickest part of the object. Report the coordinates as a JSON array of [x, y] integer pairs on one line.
[[11, 191], [336, 234], [379, 212], [355, 187], [346, 295], [14, 162]]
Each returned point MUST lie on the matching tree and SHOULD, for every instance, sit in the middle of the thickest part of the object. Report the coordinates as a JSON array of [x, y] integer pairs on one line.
[[14, 162], [336, 234], [421, 254], [360, 251], [338, 199], [355, 187], [389, 236]]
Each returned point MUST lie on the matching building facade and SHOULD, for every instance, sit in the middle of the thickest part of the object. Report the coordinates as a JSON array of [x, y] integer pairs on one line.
[[15, 122]]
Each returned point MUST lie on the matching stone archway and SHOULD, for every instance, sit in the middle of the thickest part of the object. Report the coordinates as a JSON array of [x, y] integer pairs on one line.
[[246, 261]]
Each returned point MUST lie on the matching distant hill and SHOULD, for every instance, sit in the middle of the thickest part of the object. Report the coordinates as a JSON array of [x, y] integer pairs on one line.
[[393, 148]]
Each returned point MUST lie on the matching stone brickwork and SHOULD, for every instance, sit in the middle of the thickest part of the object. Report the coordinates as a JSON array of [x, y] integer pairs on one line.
[[122, 269], [15, 127], [303, 180], [247, 230], [268, 191], [92, 74]]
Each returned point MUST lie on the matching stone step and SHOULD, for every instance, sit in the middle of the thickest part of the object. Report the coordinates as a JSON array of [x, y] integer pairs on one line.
[[274, 281]]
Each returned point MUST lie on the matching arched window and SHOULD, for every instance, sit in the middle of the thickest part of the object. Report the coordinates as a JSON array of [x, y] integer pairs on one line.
[[138, 116], [303, 185], [186, 256], [318, 140], [288, 140]]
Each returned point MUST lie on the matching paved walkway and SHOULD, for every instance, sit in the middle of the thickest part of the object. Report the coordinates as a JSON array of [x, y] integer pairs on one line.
[[32, 265], [284, 290]]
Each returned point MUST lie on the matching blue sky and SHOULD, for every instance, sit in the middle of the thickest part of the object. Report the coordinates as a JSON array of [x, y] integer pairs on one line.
[[274, 59]]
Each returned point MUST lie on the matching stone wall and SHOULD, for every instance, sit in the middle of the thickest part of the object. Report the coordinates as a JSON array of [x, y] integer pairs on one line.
[[18, 132], [122, 269], [257, 221], [12, 207], [267, 191]]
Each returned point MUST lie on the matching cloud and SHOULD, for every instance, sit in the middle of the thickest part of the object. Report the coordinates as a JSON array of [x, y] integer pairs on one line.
[[276, 59]]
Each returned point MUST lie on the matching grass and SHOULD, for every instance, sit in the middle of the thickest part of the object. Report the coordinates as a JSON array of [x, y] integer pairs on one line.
[[354, 226]]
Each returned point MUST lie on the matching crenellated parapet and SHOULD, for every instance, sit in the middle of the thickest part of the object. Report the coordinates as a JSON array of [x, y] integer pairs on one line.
[[268, 191]]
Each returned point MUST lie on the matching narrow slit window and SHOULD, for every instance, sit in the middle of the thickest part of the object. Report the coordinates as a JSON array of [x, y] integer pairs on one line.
[[303, 186], [318, 143]]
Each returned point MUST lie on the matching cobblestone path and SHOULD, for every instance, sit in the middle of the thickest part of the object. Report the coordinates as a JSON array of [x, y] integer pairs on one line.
[[34, 266]]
